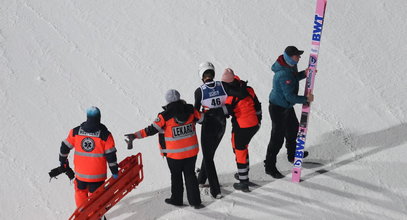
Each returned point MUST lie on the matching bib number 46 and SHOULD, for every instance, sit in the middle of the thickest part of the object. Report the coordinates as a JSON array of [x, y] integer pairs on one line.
[[216, 102]]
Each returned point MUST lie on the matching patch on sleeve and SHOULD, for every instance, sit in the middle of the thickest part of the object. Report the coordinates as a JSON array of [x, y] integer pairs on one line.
[[288, 82]]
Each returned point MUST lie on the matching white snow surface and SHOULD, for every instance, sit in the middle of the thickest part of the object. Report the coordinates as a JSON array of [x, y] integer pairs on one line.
[[59, 57]]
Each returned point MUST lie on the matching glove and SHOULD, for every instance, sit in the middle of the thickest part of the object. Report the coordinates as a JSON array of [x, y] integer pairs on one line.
[[64, 163], [69, 172], [129, 140], [130, 137], [63, 166], [115, 176]]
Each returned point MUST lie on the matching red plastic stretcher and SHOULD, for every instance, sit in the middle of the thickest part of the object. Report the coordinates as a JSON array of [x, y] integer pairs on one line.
[[113, 190]]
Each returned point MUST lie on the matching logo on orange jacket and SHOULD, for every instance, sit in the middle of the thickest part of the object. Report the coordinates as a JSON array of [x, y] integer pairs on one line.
[[88, 144]]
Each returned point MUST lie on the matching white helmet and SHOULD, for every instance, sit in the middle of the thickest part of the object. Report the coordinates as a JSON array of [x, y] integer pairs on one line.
[[204, 67]]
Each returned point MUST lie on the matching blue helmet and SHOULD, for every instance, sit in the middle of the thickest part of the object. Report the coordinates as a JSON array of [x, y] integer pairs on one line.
[[93, 112]]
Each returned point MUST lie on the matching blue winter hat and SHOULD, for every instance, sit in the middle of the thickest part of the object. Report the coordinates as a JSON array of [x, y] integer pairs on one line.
[[93, 112]]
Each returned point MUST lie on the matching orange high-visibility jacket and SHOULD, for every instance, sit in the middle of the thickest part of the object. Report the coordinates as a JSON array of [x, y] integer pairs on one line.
[[177, 140], [90, 150], [245, 111]]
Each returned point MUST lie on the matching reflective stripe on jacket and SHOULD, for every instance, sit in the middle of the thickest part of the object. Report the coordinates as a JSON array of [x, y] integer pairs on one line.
[[177, 140], [180, 139], [90, 150]]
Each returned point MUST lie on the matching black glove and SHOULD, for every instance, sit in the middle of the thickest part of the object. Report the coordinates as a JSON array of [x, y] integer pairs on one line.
[[129, 140], [63, 168], [54, 173], [69, 172]]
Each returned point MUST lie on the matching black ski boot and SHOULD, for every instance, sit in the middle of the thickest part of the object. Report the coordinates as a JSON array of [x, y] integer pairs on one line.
[[274, 173], [291, 158], [249, 183], [271, 169], [172, 202], [242, 186], [200, 206]]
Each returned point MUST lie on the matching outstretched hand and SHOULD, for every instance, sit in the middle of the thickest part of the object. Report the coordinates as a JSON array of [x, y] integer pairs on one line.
[[130, 137], [129, 140]]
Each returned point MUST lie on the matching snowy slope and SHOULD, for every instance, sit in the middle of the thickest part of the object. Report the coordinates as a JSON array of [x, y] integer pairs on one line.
[[59, 57]]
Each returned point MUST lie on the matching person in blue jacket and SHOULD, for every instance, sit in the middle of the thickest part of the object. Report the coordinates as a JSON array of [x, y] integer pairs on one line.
[[282, 99]]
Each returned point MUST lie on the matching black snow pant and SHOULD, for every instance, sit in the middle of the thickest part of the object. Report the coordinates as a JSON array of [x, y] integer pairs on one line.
[[241, 138], [284, 126], [213, 129], [187, 167], [90, 186]]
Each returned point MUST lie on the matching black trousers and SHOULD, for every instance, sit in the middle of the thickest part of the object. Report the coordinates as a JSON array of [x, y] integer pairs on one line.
[[241, 138], [284, 126], [213, 129], [91, 186], [187, 167]]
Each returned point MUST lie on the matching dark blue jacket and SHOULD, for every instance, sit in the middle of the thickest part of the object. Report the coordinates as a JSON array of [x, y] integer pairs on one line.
[[286, 84]]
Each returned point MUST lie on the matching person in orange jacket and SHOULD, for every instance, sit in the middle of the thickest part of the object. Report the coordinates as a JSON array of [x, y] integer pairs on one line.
[[179, 144], [94, 147], [245, 108]]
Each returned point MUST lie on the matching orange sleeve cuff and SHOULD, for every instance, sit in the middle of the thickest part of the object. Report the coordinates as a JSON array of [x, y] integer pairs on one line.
[[141, 134]]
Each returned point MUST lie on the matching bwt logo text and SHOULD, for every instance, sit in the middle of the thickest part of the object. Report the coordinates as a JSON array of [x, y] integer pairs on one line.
[[299, 150], [316, 36]]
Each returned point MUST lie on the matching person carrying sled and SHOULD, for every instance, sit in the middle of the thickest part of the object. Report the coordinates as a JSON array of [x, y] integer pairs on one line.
[[211, 97], [282, 98], [94, 148], [245, 109], [179, 144]]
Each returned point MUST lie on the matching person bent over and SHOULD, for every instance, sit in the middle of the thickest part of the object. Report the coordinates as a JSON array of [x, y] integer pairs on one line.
[[245, 108]]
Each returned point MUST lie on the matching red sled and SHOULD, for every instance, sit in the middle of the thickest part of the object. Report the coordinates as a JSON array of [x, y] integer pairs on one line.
[[113, 190]]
